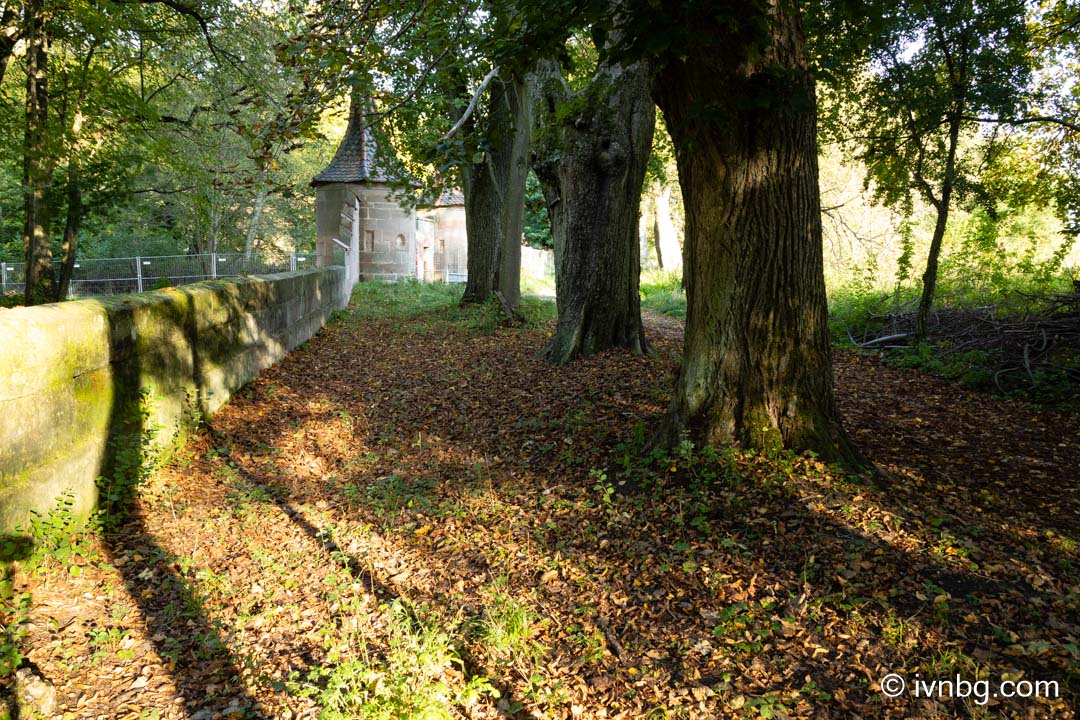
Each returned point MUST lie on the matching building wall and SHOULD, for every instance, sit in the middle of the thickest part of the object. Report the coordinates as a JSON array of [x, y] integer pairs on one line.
[[71, 379], [386, 232], [387, 235]]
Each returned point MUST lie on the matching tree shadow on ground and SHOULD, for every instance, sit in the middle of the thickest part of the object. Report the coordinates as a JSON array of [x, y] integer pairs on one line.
[[193, 646], [458, 469], [853, 559]]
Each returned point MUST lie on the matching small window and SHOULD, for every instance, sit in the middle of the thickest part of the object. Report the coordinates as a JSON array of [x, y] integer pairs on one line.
[[402, 243], [442, 245], [369, 241]]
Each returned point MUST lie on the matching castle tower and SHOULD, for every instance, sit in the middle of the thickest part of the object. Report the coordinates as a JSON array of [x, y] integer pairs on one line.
[[354, 206]]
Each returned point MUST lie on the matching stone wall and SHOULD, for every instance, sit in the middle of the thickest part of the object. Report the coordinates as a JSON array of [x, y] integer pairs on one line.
[[71, 373]]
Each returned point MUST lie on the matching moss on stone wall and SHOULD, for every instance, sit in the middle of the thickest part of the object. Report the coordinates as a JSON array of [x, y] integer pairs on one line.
[[72, 374]]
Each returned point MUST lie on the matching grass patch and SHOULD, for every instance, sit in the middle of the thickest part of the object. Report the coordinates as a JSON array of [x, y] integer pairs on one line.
[[662, 292], [537, 285], [432, 306], [420, 675], [405, 299]]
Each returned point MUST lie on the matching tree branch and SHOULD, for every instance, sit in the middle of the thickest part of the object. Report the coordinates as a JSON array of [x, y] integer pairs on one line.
[[472, 103], [1047, 119]]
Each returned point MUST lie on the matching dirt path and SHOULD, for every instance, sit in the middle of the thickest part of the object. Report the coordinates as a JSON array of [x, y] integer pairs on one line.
[[397, 478]]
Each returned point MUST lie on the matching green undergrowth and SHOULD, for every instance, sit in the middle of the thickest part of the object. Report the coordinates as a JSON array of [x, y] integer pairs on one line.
[[858, 314], [420, 307], [420, 675], [662, 292], [964, 345], [60, 540]]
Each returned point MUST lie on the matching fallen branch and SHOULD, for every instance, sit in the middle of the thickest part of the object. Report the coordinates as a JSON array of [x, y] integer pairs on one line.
[[886, 338]]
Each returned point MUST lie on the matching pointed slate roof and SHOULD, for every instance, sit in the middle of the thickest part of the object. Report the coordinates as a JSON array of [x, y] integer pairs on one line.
[[357, 158], [450, 198]]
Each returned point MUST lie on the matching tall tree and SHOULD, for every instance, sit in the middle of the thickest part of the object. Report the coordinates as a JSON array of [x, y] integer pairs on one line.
[[939, 73], [734, 85], [740, 105], [494, 188], [590, 153], [37, 164]]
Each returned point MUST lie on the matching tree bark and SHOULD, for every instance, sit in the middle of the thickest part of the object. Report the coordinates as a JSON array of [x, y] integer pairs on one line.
[[926, 301], [253, 223], [590, 154], [9, 35], [757, 363], [494, 190], [72, 224], [36, 166]]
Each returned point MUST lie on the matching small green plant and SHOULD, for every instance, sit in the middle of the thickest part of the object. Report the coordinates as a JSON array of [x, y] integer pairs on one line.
[[14, 612], [506, 628], [56, 537], [602, 486], [413, 680], [766, 706], [892, 630], [134, 457]]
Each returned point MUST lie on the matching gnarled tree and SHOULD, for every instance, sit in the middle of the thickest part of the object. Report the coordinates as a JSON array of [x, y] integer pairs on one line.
[[591, 148]]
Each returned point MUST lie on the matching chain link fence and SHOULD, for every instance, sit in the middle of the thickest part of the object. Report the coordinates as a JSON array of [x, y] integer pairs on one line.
[[110, 276]]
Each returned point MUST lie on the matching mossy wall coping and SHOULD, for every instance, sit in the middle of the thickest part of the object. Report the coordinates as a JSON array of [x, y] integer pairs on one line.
[[70, 373]]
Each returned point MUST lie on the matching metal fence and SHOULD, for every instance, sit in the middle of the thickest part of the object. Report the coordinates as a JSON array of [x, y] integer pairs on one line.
[[450, 266], [108, 276]]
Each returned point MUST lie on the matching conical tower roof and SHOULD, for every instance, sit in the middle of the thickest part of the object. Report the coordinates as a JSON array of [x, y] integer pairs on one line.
[[357, 158]]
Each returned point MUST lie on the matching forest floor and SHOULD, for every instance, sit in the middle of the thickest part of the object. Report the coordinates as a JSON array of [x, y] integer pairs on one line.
[[413, 514]]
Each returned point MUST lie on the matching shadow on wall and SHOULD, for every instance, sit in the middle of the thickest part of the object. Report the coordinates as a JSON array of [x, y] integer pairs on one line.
[[169, 359]]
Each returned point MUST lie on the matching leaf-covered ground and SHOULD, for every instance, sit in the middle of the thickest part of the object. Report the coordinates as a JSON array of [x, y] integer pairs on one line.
[[413, 514]]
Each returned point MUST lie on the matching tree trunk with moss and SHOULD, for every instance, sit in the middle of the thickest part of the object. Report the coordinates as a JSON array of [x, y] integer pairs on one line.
[[494, 189], [590, 151], [757, 363]]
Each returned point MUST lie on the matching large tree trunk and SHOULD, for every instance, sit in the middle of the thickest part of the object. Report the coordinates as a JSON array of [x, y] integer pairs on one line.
[[922, 315], [494, 190], [757, 363], [590, 154], [36, 166]]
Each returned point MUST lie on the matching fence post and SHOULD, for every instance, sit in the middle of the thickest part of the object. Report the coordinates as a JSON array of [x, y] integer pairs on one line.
[[3, 276], [213, 266], [138, 273], [292, 262]]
